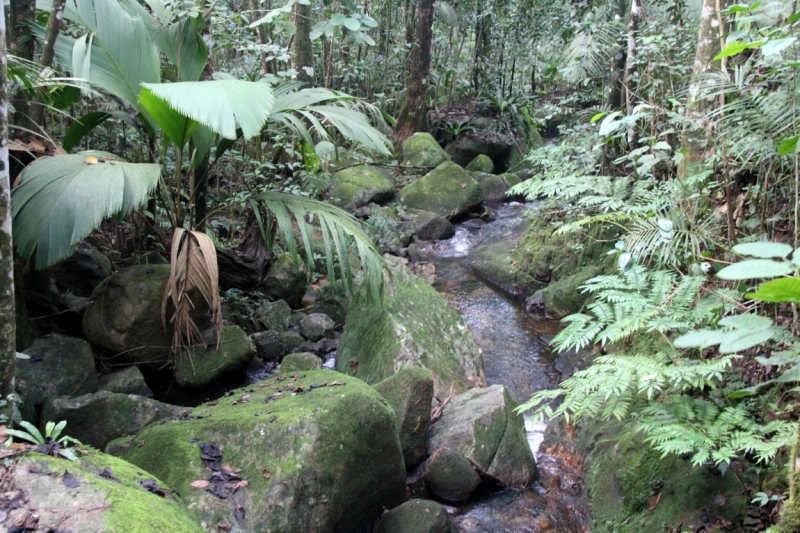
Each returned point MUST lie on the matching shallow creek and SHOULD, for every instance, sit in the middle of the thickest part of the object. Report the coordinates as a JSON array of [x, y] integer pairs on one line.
[[516, 355]]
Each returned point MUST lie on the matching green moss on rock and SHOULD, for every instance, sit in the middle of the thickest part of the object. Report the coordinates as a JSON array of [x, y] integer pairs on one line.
[[422, 150], [323, 459], [203, 366], [416, 516], [358, 186], [415, 327], [300, 362], [447, 191], [482, 163]]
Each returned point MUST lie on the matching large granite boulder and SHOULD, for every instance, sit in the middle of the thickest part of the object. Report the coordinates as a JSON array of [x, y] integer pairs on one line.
[[481, 424], [98, 418], [274, 316], [316, 325], [447, 191], [481, 163], [286, 280], [126, 381], [497, 146], [202, 366], [422, 150], [124, 318], [300, 362], [415, 327], [416, 516], [98, 494], [83, 271], [359, 186], [58, 366], [450, 475], [270, 346], [319, 453], [410, 393], [495, 188], [431, 227]]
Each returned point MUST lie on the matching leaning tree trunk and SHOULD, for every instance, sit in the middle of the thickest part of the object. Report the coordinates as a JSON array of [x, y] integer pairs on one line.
[[630, 66], [699, 100], [302, 50], [8, 349], [412, 114], [48, 53]]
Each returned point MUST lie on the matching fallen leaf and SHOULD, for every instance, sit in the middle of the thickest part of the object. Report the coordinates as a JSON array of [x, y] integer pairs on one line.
[[720, 500], [225, 527], [463, 185], [141, 443], [107, 474], [91, 160], [199, 484], [238, 514], [337, 383], [69, 480], [267, 474], [230, 468], [654, 502], [243, 483]]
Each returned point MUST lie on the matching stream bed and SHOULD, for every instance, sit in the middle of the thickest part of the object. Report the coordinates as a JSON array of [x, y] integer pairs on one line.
[[516, 354]]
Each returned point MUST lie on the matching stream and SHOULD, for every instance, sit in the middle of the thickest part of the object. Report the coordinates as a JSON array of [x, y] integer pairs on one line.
[[516, 354]]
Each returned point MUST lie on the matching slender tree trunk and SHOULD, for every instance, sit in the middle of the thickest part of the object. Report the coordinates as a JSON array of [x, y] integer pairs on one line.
[[617, 66], [412, 114], [699, 102], [8, 348], [48, 53], [20, 43], [302, 49], [630, 65], [261, 33]]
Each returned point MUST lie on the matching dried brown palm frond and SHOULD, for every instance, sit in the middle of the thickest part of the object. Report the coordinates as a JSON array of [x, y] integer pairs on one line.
[[193, 267]]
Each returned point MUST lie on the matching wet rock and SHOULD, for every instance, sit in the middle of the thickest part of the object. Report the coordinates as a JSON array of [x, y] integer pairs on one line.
[[474, 223], [83, 271], [58, 366], [431, 227], [98, 418], [331, 302], [416, 516], [495, 188], [274, 315], [108, 497], [270, 346], [410, 393], [359, 186], [126, 381], [488, 214], [315, 326], [300, 362], [152, 257], [422, 150], [481, 424], [562, 297], [286, 280], [324, 459], [450, 475], [481, 163], [124, 318], [447, 191], [415, 327], [320, 347], [292, 340], [497, 146], [205, 365]]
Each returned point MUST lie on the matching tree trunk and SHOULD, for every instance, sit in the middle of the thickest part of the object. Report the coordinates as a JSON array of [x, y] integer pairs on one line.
[[698, 101], [412, 114], [8, 348], [630, 65], [21, 44], [261, 33], [302, 50], [48, 53], [617, 67]]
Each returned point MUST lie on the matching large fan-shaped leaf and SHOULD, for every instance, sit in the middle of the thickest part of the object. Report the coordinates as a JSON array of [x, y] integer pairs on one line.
[[755, 269], [219, 104], [175, 125], [60, 200]]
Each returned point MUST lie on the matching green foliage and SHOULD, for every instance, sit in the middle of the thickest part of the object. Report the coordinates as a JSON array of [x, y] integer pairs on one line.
[[52, 440]]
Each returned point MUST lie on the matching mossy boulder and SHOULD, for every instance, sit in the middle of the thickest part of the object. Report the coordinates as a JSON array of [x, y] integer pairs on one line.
[[410, 393], [450, 475], [316, 325], [287, 280], [482, 163], [274, 316], [110, 496], [270, 346], [494, 188], [624, 475], [431, 227], [324, 459], [124, 317], [202, 366], [415, 327], [82, 272], [332, 301], [98, 418], [359, 186], [416, 516], [300, 362], [481, 424], [447, 191], [126, 381], [563, 297], [497, 146], [58, 366], [422, 150]]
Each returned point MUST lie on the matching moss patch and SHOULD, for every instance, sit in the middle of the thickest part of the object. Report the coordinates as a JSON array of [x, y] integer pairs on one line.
[[447, 191], [358, 186]]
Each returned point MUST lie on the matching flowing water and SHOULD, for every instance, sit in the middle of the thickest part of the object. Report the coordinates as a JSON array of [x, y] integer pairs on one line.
[[516, 354]]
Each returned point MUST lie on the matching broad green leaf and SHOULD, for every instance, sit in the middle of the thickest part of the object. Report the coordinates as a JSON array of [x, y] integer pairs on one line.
[[598, 116], [788, 146], [755, 269], [746, 321], [87, 123], [732, 49], [763, 250], [777, 290], [609, 124], [220, 104], [61, 199], [738, 341], [352, 24], [702, 338], [776, 46], [176, 126]]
